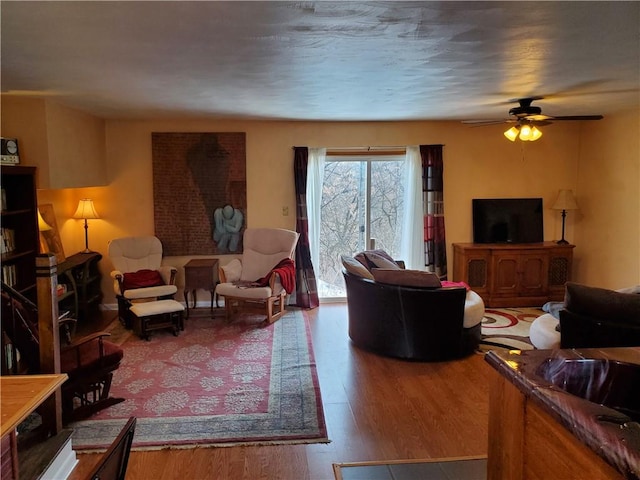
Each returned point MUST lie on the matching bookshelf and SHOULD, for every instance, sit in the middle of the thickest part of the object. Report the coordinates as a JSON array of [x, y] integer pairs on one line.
[[19, 234], [81, 294]]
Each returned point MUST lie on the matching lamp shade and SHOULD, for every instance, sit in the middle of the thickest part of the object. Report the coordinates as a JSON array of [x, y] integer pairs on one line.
[[565, 201], [86, 209], [512, 133], [42, 225]]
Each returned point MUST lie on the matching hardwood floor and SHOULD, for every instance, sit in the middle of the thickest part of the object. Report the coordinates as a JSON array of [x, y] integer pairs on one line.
[[376, 408]]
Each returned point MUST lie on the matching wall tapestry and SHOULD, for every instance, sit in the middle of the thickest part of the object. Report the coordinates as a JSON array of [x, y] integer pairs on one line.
[[199, 192]]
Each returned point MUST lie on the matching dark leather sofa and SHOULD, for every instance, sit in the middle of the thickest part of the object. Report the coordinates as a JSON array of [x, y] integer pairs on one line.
[[408, 322], [595, 317]]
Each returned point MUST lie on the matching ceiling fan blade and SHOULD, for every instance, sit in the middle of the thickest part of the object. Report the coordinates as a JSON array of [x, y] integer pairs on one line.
[[485, 122], [577, 117], [538, 118]]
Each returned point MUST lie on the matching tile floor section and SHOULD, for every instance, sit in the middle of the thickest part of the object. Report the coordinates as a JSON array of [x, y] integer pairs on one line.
[[473, 469]]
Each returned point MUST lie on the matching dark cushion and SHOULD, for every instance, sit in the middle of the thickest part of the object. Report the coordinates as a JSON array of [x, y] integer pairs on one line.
[[142, 279], [602, 303], [407, 278]]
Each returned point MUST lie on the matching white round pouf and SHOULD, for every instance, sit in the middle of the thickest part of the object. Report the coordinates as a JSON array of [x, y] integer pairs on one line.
[[543, 333], [473, 309]]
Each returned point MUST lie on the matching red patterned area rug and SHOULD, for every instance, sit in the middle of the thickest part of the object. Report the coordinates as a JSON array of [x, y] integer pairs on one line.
[[508, 328], [216, 384]]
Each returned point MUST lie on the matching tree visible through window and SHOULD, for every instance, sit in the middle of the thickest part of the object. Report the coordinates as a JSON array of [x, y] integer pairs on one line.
[[362, 199]]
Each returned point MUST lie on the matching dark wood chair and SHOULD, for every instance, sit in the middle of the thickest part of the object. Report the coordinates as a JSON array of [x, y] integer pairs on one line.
[[89, 361], [113, 464]]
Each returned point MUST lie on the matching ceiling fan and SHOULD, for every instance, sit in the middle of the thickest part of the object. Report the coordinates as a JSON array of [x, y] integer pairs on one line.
[[527, 118]]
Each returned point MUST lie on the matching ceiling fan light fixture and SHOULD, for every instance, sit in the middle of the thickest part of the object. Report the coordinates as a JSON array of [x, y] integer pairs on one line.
[[512, 133], [535, 134], [525, 133], [529, 133]]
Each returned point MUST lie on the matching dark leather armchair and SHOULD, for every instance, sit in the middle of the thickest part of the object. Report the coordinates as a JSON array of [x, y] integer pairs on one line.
[[408, 322], [595, 317]]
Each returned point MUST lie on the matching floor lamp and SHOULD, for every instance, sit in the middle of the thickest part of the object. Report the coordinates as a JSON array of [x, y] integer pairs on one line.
[[85, 211], [564, 202]]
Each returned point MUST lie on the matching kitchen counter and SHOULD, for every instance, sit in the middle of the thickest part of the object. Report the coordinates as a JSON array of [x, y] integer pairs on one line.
[[608, 376]]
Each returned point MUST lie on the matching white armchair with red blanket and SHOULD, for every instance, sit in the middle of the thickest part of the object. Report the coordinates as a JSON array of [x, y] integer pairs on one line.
[[138, 272], [261, 280]]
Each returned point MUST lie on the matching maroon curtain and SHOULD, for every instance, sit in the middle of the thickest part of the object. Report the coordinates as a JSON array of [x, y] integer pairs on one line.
[[306, 289], [435, 245]]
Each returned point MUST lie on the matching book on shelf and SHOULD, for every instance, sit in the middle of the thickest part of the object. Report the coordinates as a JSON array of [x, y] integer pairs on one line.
[[9, 275], [3, 197], [7, 240]]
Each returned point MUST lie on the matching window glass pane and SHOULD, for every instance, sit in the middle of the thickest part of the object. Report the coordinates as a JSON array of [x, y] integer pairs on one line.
[[342, 222], [386, 205]]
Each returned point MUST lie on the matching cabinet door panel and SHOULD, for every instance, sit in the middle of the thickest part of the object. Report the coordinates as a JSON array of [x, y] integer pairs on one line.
[[533, 278], [505, 278]]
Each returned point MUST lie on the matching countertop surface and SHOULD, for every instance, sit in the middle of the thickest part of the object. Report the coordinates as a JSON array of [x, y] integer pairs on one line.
[[597, 377]]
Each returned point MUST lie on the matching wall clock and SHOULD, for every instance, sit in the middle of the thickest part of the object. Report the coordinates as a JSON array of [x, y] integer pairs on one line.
[[9, 151]]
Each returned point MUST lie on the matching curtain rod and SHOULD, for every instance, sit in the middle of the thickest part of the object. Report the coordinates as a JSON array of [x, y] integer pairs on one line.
[[369, 148], [366, 149]]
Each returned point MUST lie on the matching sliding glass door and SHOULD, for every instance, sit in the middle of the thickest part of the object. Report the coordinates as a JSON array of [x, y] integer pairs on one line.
[[361, 208]]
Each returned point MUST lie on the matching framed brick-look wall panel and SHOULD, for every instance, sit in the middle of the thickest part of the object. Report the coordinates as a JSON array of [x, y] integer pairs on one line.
[[193, 174]]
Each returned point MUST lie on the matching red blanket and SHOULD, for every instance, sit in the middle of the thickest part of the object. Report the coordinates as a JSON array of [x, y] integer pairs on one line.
[[287, 271], [446, 283]]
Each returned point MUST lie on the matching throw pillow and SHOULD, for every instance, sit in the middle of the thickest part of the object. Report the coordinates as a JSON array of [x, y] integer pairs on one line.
[[406, 278], [354, 267], [380, 261], [141, 279], [232, 270], [368, 257], [602, 303]]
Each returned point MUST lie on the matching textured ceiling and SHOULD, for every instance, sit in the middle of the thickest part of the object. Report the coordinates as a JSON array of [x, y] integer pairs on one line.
[[323, 60]]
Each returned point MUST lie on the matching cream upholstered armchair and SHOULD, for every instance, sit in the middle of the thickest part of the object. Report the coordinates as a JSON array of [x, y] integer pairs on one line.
[[262, 278], [138, 273]]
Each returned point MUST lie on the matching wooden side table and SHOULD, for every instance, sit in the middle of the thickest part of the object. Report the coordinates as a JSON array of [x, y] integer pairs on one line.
[[200, 273]]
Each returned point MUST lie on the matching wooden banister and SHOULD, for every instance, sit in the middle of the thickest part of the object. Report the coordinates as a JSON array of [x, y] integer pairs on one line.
[[49, 333]]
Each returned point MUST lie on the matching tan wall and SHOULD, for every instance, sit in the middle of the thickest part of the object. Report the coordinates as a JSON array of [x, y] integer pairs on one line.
[[67, 145], [479, 163], [76, 147], [608, 233], [25, 119]]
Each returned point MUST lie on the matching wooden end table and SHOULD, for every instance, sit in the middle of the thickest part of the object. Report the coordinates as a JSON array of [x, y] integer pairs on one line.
[[200, 273]]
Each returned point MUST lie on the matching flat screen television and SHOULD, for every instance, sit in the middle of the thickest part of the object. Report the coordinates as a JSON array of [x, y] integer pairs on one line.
[[507, 220]]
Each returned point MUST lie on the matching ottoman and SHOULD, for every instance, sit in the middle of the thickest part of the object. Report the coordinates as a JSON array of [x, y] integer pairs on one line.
[[159, 314], [472, 323], [543, 333]]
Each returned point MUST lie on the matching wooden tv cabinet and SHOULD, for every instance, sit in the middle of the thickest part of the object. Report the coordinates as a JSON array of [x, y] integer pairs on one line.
[[514, 275]]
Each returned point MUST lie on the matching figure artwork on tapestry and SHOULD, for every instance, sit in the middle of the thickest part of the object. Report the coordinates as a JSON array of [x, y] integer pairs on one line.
[[228, 223]]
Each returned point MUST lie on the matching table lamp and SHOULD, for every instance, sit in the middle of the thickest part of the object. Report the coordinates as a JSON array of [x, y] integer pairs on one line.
[[86, 211], [564, 202]]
